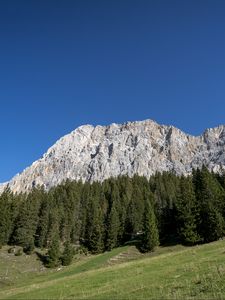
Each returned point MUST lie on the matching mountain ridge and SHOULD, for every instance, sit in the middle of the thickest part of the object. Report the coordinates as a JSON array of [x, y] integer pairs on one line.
[[95, 153]]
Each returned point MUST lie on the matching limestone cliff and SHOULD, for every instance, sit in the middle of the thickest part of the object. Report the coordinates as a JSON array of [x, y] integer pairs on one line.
[[96, 153]]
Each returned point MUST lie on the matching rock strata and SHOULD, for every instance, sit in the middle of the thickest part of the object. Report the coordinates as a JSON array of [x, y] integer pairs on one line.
[[96, 153]]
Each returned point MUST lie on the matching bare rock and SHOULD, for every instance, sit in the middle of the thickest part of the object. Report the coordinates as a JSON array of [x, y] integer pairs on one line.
[[96, 153]]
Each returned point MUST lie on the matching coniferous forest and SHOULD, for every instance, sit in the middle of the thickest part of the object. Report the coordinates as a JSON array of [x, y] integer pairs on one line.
[[101, 216]]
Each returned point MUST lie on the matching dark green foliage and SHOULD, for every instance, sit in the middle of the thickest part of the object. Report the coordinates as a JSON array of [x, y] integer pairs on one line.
[[27, 219], [67, 255], [112, 228], [210, 196], [53, 256], [94, 223], [43, 223], [101, 216], [113, 222], [29, 247], [187, 214], [150, 237], [135, 208], [165, 187], [125, 193], [6, 216], [83, 213]]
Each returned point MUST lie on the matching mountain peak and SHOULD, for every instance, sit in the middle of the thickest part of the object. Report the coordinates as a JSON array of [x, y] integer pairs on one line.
[[94, 153]]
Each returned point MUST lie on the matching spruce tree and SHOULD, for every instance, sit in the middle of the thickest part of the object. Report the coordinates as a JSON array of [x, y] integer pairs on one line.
[[53, 255], [42, 227], [84, 211], [94, 223], [68, 254], [53, 221], [113, 222], [6, 214], [112, 229], [27, 220], [187, 212], [150, 238], [135, 209], [125, 189], [210, 196], [164, 187]]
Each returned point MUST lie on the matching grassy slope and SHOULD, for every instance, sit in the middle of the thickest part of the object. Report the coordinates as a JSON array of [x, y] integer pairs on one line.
[[173, 272]]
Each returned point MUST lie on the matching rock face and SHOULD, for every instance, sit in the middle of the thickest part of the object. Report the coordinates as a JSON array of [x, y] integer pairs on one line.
[[96, 153]]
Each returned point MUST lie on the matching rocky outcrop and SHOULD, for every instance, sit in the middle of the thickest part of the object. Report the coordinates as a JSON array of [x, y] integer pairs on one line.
[[95, 153]]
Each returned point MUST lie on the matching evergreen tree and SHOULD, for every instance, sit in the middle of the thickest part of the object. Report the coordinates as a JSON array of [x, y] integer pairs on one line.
[[43, 223], [113, 223], [94, 225], [135, 209], [27, 220], [54, 219], [187, 212], [74, 206], [150, 238], [68, 254], [83, 213], [105, 215], [6, 214], [165, 187], [113, 228], [53, 255], [125, 188], [210, 196]]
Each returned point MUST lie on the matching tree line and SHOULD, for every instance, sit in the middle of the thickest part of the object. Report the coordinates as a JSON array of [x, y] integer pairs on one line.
[[101, 216]]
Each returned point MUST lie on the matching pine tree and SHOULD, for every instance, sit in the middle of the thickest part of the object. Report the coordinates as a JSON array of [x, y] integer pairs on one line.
[[74, 195], [53, 253], [42, 227], [135, 209], [187, 212], [210, 196], [113, 228], [94, 223], [68, 254], [165, 187], [6, 214], [113, 222], [150, 238], [54, 219], [27, 220], [125, 191], [83, 213]]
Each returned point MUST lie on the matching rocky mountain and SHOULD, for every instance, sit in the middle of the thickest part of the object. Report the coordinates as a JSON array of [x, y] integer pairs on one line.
[[95, 153]]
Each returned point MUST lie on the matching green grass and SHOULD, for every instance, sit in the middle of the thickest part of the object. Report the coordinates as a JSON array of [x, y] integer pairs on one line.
[[169, 273]]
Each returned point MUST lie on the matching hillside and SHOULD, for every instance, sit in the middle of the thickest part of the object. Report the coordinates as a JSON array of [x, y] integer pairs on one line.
[[171, 272], [96, 153]]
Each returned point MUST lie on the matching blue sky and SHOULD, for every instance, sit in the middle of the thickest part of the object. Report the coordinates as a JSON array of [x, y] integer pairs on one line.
[[71, 62]]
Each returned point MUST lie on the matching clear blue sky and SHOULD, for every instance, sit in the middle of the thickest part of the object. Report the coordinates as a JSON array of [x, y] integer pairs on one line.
[[71, 62]]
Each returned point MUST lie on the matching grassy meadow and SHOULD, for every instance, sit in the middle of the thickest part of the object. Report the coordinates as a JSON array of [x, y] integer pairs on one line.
[[173, 272]]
